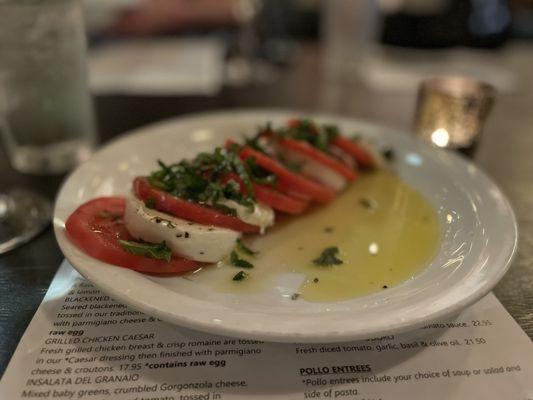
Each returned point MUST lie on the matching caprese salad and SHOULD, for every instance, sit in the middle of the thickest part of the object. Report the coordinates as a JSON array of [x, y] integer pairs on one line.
[[193, 212]]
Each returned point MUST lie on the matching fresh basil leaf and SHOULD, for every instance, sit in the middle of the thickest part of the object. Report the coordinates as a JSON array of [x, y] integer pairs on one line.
[[225, 209], [366, 203], [239, 262], [259, 174], [328, 257], [157, 251], [245, 249], [199, 179], [150, 202], [254, 142], [243, 174], [239, 276], [317, 136]]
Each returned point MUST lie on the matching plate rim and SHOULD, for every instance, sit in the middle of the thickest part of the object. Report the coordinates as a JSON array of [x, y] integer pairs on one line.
[[333, 336]]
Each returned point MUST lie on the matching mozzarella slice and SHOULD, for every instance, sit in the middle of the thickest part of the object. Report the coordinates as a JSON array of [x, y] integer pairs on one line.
[[262, 215], [345, 157], [372, 147], [315, 170], [184, 238]]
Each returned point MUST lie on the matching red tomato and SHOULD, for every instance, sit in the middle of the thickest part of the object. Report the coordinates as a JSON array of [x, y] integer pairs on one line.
[[271, 197], [96, 226], [287, 178], [311, 152], [279, 201], [188, 210], [295, 123], [286, 188], [362, 156]]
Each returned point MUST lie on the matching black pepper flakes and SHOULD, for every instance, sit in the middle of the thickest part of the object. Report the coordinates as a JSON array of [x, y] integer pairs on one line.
[[295, 296], [315, 280], [178, 235], [385, 286], [187, 235], [328, 229], [388, 154]]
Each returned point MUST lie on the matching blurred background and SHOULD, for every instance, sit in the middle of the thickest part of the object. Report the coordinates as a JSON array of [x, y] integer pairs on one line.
[[354, 57]]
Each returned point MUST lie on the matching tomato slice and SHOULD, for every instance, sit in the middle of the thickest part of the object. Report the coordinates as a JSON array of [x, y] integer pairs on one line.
[[96, 226], [288, 178], [279, 201], [362, 156], [296, 122], [293, 123], [286, 188], [271, 197], [188, 210], [309, 151]]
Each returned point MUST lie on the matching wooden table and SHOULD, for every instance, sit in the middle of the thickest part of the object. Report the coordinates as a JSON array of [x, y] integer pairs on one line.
[[506, 154]]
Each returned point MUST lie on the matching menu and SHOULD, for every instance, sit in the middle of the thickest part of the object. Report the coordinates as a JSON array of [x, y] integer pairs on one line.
[[81, 344]]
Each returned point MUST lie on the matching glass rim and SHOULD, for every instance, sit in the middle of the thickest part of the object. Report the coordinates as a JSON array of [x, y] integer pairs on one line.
[[458, 86]]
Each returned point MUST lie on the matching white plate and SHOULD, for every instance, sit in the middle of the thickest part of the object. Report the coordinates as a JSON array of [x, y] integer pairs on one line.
[[478, 226]]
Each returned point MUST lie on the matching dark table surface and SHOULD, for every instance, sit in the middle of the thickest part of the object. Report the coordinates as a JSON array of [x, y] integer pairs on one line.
[[505, 154]]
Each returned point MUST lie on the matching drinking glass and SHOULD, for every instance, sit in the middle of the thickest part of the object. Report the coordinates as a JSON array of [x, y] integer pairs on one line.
[[451, 112], [46, 116]]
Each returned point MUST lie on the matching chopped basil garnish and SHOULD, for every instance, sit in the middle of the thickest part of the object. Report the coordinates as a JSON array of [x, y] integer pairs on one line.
[[241, 171], [239, 276], [149, 202], [201, 179], [158, 251], [245, 249], [317, 136], [254, 141], [366, 203], [239, 262], [328, 257], [259, 174]]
